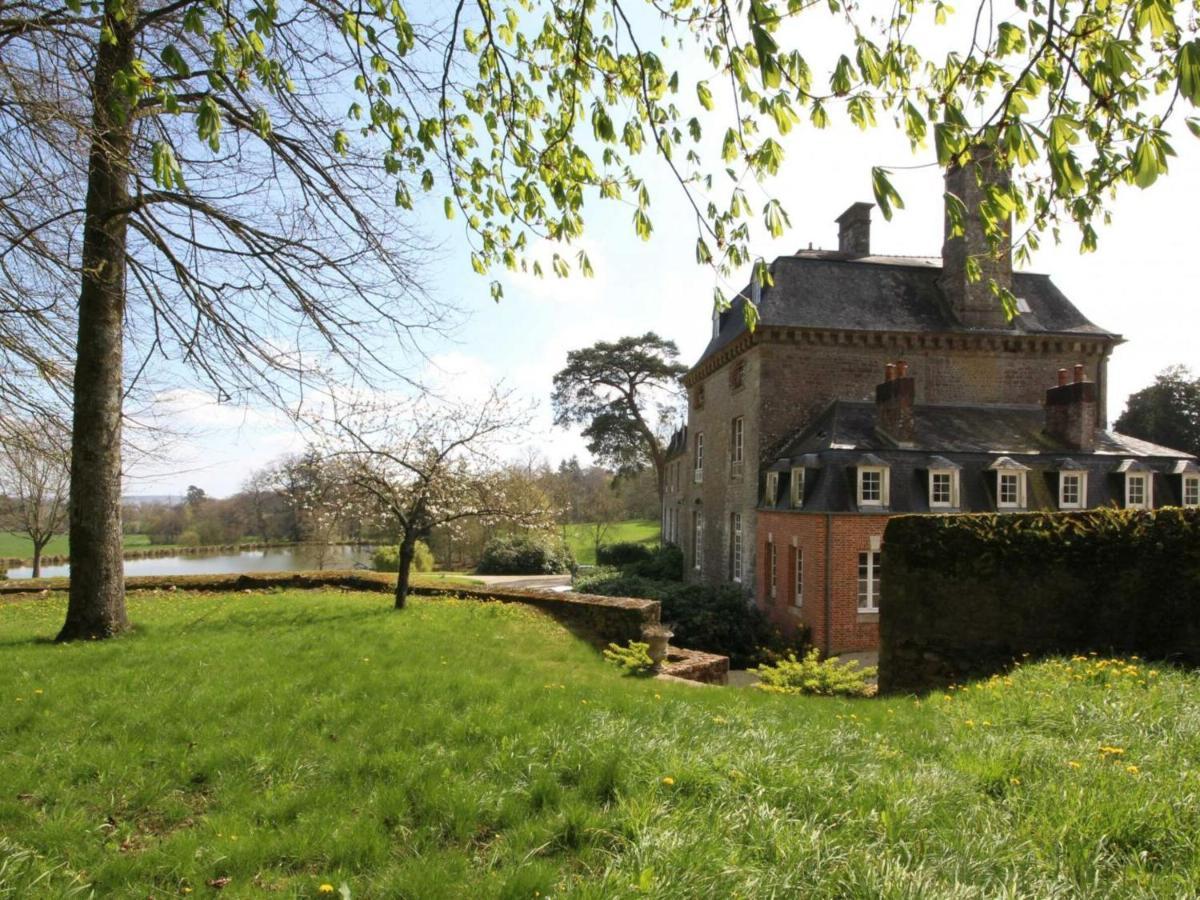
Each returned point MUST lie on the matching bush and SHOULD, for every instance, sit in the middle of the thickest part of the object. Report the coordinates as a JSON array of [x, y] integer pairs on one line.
[[632, 659], [623, 553], [387, 559], [812, 675], [525, 554], [188, 538], [664, 564], [713, 618]]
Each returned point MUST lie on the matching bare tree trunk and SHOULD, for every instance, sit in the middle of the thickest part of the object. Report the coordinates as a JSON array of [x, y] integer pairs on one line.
[[37, 558], [96, 608], [407, 551]]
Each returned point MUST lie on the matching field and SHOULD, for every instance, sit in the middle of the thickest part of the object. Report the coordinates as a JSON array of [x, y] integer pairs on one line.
[[582, 543], [17, 546], [279, 742]]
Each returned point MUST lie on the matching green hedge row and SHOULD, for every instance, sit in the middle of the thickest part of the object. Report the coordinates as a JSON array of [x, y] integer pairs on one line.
[[963, 596]]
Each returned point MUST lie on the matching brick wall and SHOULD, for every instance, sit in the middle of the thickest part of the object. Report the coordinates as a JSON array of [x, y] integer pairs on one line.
[[830, 545]]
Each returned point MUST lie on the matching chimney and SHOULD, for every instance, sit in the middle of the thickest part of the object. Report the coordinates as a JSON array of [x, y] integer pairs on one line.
[[1071, 411], [972, 302], [894, 404], [854, 230]]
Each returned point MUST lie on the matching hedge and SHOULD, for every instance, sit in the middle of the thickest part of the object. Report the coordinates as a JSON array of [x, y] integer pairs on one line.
[[965, 596], [525, 554]]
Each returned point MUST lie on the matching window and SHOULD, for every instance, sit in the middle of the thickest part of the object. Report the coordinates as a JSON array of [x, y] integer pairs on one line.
[[735, 548], [1072, 490], [869, 565], [943, 488], [697, 540], [698, 472], [698, 397], [1191, 490], [737, 443], [772, 492], [797, 487], [872, 486], [771, 563], [798, 593], [1010, 490], [737, 375], [1137, 490]]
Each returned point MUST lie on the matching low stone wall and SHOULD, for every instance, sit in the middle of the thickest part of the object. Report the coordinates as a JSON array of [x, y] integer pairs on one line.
[[603, 619], [694, 665]]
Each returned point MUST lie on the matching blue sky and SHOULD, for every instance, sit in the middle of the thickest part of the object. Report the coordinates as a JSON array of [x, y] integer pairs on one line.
[[1141, 283]]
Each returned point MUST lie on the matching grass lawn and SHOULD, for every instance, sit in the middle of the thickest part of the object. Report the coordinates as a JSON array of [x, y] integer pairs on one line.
[[581, 540], [18, 545], [286, 740]]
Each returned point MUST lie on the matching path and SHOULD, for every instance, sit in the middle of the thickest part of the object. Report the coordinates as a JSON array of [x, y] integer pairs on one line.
[[528, 582]]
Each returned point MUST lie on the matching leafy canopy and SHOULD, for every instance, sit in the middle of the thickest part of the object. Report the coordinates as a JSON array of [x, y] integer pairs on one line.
[[1167, 412]]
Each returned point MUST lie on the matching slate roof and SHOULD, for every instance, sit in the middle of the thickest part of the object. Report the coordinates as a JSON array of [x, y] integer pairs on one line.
[[825, 289], [974, 438]]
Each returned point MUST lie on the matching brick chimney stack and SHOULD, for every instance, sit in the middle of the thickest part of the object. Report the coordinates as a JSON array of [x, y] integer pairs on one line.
[[1071, 410], [894, 404], [854, 230], [972, 302]]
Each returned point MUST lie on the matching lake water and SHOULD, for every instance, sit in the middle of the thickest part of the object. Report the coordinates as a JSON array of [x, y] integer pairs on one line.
[[273, 559]]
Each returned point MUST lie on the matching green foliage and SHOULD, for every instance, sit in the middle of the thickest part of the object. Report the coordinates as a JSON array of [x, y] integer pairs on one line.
[[632, 659], [813, 675], [188, 538], [1167, 412], [580, 536], [525, 553], [387, 559], [423, 735], [623, 554], [715, 618]]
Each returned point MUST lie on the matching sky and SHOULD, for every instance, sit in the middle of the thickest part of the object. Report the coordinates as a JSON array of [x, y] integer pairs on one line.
[[1141, 283]]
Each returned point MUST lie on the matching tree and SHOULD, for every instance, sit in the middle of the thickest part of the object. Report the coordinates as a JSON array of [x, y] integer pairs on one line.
[[33, 478], [603, 508], [249, 166], [1167, 412], [429, 464], [628, 394]]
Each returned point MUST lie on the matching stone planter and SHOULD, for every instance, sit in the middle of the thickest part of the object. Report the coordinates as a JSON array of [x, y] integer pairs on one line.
[[658, 637]]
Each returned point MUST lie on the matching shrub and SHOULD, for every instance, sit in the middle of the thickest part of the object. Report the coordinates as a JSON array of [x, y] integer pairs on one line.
[[664, 564], [188, 538], [632, 659], [623, 553], [813, 675], [714, 618], [387, 559], [525, 554]]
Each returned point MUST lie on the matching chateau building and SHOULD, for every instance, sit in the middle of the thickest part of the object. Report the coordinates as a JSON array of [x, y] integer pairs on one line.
[[875, 385]]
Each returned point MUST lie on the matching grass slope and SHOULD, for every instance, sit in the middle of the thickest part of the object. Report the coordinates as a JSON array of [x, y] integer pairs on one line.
[[581, 539], [285, 740]]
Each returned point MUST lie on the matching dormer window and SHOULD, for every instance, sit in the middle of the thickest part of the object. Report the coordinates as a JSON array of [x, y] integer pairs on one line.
[[943, 484], [772, 489], [1139, 484], [873, 483], [797, 489], [1072, 489], [1011, 483]]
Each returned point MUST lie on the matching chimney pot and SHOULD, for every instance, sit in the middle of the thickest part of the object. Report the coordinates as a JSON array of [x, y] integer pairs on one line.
[[901, 369], [1062, 377], [889, 372], [894, 404], [1078, 372]]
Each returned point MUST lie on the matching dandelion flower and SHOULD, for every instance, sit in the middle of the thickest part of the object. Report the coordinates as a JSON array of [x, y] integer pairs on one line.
[[1074, 764], [1132, 770], [326, 888], [1014, 781], [668, 780]]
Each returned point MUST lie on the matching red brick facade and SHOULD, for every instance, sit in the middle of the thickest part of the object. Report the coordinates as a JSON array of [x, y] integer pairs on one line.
[[830, 546]]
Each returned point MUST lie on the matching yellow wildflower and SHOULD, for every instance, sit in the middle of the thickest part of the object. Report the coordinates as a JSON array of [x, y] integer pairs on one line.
[[37, 690], [668, 780], [1073, 764], [1014, 781], [1132, 770], [326, 888]]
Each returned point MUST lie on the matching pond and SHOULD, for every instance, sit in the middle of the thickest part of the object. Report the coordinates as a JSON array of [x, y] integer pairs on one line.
[[271, 559]]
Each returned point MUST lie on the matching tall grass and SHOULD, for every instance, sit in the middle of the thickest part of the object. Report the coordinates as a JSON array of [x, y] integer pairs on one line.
[[456, 749], [581, 539]]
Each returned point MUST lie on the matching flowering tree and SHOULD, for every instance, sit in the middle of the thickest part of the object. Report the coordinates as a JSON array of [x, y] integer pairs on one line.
[[429, 464]]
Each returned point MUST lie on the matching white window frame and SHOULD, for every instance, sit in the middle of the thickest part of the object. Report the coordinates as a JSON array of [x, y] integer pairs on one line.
[[952, 502], [882, 472], [736, 556], [868, 587], [1081, 500], [1147, 481], [797, 487], [772, 489], [1191, 483], [1019, 502], [772, 559], [697, 540], [798, 577], [737, 440], [698, 458]]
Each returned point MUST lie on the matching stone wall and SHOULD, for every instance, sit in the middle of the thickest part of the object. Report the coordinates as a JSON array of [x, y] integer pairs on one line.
[[965, 596]]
